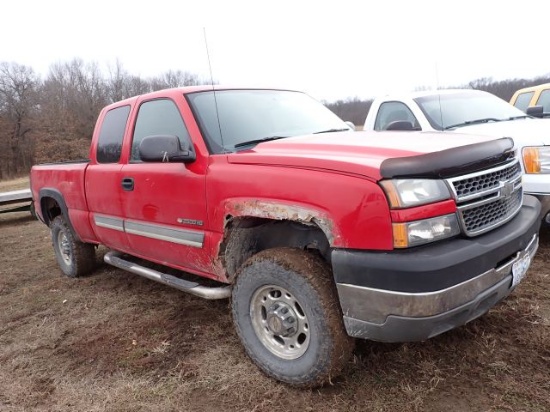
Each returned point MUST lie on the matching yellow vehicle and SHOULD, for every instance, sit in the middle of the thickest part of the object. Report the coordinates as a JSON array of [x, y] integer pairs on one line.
[[531, 97]]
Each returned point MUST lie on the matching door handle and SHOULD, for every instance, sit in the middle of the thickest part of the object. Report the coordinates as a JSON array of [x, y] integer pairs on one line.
[[128, 184]]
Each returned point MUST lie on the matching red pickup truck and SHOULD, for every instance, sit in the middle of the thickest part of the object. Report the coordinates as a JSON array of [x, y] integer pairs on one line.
[[318, 234]]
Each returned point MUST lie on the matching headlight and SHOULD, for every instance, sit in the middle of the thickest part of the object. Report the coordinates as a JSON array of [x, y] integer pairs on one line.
[[414, 192], [424, 231], [536, 159]]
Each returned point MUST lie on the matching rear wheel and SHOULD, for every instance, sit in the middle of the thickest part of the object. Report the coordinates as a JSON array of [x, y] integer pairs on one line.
[[74, 258], [288, 318]]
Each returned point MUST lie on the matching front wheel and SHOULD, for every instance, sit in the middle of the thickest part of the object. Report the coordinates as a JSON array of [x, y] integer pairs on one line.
[[288, 318], [74, 258]]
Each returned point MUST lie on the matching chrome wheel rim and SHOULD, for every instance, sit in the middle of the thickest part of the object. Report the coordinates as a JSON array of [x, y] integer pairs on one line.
[[280, 322], [64, 247]]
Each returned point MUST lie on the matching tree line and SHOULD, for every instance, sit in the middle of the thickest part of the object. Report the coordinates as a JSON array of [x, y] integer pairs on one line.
[[52, 118]]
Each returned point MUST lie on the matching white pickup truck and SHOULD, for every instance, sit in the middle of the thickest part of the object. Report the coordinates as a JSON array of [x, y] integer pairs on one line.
[[469, 111]]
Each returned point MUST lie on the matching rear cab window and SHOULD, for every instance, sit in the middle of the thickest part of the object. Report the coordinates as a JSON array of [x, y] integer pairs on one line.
[[111, 134]]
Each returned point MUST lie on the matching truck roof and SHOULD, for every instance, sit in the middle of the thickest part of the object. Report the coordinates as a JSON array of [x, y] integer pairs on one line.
[[423, 93], [190, 89]]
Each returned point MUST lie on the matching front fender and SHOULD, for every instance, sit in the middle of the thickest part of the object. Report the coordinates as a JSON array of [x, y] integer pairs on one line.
[[280, 210]]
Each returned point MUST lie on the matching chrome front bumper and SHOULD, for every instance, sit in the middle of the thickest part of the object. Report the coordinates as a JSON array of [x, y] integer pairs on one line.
[[393, 316]]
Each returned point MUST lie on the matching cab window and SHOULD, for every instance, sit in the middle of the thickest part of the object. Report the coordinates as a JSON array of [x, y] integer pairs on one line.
[[544, 100], [111, 134], [523, 99], [390, 112], [157, 117]]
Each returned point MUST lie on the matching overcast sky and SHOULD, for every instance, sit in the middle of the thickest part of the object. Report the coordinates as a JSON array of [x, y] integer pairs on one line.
[[330, 49]]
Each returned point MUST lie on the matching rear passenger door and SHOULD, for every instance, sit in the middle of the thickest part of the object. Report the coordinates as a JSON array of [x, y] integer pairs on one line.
[[164, 203]]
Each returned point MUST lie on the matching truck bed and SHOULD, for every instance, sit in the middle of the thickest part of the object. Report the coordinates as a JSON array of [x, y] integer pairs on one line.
[[65, 179]]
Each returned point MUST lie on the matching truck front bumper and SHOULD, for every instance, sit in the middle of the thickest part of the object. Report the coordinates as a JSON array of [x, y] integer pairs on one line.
[[415, 294]]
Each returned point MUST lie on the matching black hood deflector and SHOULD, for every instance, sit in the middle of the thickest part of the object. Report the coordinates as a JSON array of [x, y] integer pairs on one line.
[[450, 162]]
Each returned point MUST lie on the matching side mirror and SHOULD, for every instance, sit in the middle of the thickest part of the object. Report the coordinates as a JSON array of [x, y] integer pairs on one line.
[[535, 111], [165, 148], [402, 125]]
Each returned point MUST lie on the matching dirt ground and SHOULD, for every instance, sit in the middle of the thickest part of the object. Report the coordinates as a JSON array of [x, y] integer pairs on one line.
[[114, 341]]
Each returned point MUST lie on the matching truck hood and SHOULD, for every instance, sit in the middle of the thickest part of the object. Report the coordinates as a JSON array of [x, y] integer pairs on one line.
[[524, 132], [359, 153]]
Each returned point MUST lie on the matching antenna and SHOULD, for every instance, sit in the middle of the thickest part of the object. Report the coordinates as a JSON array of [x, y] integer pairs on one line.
[[438, 95], [213, 88]]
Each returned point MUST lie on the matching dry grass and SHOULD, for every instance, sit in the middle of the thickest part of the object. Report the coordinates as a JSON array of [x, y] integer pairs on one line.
[[116, 342], [15, 184]]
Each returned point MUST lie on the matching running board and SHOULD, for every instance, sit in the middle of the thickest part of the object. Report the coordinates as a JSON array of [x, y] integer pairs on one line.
[[194, 288]]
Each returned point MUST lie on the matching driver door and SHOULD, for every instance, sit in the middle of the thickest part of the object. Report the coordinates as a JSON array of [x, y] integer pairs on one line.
[[164, 203]]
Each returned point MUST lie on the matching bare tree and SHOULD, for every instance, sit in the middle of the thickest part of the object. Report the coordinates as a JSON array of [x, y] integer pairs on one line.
[[72, 96], [135, 85], [116, 82], [122, 85], [18, 99], [176, 78], [505, 89], [53, 119], [351, 109]]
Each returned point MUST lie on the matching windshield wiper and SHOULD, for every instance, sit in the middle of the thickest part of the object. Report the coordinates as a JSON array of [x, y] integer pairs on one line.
[[525, 116], [332, 130], [269, 138], [470, 122], [256, 141]]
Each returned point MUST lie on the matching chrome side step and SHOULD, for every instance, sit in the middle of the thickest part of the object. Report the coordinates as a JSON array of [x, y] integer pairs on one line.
[[212, 293]]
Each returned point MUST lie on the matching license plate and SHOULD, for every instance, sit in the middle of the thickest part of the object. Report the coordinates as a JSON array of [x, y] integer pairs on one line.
[[519, 269]]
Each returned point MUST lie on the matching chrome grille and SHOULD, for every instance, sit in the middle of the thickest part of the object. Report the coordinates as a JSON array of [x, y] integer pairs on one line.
[[487, 199], [488, 215], [477, 183]]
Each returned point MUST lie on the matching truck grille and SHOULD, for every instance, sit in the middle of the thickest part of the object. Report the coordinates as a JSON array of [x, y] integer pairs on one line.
[[487, 199], [476, 184]]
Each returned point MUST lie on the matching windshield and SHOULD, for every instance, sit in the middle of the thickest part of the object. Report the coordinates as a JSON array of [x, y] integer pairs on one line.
[[448, 110], [254, 115]]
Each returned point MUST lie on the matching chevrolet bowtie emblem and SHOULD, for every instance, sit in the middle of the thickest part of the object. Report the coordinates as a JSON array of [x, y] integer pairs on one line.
[[506, 189]]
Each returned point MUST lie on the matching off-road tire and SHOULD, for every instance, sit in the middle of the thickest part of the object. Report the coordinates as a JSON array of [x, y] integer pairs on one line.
[[74, 258], [307, 282]]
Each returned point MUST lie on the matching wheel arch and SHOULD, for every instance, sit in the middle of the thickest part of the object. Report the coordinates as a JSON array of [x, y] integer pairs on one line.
[[253, 226], [52, 204]]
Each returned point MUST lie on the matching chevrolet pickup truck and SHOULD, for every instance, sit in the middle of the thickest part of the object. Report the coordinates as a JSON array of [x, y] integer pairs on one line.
[[467, 111], [319, 235]]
